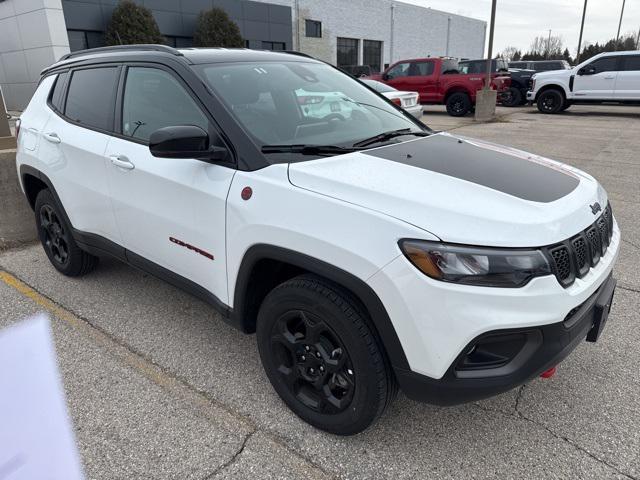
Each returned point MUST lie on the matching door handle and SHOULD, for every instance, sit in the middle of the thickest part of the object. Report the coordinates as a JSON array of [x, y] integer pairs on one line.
[[52, 137], [609, 78], [122, 162]]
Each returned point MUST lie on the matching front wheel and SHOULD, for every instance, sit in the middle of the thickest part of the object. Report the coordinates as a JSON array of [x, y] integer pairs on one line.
[[550, 101], [321, 357], [458, 104]]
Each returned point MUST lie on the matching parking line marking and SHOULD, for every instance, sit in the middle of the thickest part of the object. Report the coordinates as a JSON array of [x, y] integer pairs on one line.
[[132, 359], [208, 407]]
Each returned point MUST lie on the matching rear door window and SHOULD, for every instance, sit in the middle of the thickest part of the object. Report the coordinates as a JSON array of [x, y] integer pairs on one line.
[[91, 97], [631, 63], [420, 69]]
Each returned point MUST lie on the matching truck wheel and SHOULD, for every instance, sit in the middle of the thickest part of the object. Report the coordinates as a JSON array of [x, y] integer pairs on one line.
[[550, 101], [513, 98], [55, 236], [565, 105], [458, 104], [321, 357]]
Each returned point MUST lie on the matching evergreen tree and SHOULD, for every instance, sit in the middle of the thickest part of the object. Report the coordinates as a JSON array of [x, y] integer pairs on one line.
[[131, 24], [214, 28]]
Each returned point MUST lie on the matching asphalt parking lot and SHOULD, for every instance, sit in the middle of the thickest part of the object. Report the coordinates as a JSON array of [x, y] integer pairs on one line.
[[159, 387]]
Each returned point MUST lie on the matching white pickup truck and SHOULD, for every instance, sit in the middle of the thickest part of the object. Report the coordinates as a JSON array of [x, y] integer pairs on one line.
[[608, 77]]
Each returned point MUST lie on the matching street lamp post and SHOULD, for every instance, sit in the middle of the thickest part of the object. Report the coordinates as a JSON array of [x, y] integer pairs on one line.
[[619, 25], [486, 97], [584, 13]]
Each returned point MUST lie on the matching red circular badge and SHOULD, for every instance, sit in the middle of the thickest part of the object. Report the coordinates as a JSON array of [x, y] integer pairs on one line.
[[246, 193]]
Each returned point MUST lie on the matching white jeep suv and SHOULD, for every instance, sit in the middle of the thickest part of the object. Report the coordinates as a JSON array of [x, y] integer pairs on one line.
[[368, 252], [607, 77]]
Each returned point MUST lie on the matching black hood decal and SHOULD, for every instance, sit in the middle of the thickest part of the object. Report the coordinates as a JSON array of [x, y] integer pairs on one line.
[[499, 170]]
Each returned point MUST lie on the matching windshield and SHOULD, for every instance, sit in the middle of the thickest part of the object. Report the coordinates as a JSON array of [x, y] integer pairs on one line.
[[294, 103], [379, 86]]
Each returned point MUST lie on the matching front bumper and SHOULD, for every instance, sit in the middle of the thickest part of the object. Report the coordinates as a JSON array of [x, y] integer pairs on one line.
[[538, 349], [531, 96]]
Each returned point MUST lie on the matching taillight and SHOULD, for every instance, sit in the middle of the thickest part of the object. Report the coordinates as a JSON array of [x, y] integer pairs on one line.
[[397, 101], [18, 122]]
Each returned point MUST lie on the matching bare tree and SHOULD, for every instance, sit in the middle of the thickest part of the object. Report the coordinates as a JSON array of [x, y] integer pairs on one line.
[[509, 53], [544, 47]]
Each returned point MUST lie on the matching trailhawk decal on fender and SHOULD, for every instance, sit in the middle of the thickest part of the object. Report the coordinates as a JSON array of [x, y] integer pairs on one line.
[[500, 169], [191, 247]]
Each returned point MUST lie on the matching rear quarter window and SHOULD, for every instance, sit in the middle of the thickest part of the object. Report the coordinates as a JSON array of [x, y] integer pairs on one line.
[[91, 97], [56, 98]]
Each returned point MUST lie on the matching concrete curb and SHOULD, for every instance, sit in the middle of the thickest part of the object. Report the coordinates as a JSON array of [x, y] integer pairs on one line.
[[16, 217]]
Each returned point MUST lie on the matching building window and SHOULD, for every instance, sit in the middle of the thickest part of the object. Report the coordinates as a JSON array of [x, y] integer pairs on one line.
[[313, 28], [83, 39], [178, 42], [372, 54], [347, 51], [274, 46]]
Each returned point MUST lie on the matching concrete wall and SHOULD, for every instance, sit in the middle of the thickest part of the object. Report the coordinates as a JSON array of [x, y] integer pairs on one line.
[[406, 30], [32, 36]]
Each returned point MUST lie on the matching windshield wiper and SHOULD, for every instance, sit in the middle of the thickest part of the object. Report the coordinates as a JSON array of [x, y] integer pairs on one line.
[[389, 135], [307, 149]]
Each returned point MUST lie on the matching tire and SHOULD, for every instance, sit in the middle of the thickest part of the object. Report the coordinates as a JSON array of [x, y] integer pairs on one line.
[[565, 105], [513, 98], [55, 236], [550, 101], [321, 356], [458, 104]]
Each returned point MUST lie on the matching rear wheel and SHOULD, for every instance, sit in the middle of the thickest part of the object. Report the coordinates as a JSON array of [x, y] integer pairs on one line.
[[512, 98], [58, 243], [550, 101], [321, 357], [458, 104]]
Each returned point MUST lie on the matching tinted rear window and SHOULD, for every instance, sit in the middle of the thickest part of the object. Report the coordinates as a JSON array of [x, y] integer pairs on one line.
[[631, 63], [56, 94], [91, 97]]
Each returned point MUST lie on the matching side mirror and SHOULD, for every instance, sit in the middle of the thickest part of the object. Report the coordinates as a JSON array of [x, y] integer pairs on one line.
[[586, 71], [385, 76], [185, 141]]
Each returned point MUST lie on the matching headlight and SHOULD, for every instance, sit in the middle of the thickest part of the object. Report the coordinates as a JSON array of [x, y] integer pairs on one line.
[[488, 267]]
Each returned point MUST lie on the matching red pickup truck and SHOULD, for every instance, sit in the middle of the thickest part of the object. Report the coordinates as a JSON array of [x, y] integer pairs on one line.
[[438, 81]]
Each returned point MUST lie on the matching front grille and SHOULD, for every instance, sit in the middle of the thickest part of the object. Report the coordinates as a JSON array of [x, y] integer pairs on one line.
[[573, 258]]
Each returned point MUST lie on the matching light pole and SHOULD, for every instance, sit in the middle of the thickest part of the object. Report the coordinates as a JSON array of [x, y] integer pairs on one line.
[[486, 97], [584, 13], [492, 24], [619, 25]]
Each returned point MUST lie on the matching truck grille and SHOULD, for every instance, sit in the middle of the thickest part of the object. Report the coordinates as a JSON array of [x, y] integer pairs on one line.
[[574, 257]]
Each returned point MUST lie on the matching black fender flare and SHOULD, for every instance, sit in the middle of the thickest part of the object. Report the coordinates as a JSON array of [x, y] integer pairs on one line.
[[365, 294]]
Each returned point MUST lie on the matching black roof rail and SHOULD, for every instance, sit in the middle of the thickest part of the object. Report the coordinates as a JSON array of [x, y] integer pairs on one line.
[[300, 54], [120, 48]]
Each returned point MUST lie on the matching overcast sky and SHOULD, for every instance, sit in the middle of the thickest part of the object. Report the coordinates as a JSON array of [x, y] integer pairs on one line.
[[519, 21]]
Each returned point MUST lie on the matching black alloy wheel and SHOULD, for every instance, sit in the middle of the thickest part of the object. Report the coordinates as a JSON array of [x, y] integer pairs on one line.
[[322, 357], [550, 101], [313, 362], [458, 104], [54, 235]]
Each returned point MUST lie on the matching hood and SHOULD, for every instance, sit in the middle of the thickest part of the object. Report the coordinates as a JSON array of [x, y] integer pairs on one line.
[[553, 74], [461, 190]]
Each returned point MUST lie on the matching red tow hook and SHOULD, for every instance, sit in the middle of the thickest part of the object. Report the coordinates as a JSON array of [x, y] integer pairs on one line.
[[549, 373]]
